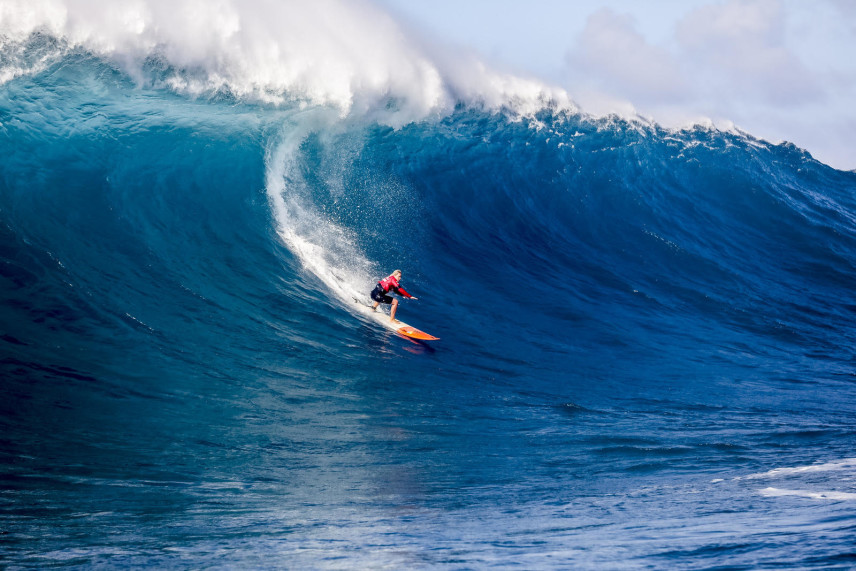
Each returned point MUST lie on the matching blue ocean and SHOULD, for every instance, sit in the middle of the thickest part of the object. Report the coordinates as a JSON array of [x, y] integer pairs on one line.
[[646, 334]]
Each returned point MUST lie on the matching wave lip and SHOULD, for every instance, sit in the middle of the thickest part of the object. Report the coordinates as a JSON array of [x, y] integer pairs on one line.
[[351, 56]]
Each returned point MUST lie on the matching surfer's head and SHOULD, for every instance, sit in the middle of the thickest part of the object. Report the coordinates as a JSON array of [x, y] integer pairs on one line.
[[397, 274]]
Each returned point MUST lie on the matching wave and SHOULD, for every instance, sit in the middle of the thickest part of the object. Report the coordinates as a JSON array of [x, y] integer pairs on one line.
[[778, 492], [351, 56], [178, 268], [622, 228], [844, 464]]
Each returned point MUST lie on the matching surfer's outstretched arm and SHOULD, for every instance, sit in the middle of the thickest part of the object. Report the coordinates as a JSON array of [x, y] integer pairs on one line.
[[400, 291]]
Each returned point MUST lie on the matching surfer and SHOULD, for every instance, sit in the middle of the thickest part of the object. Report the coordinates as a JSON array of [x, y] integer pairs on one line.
[[387, 284]]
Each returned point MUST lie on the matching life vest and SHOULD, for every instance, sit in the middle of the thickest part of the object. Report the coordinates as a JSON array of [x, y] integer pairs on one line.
[[388, 283]]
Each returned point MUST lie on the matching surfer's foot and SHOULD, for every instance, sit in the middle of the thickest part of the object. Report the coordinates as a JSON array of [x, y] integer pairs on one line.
[[395, 321]]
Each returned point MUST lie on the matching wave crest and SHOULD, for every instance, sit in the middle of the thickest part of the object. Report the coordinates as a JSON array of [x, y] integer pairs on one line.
[[351, 56]]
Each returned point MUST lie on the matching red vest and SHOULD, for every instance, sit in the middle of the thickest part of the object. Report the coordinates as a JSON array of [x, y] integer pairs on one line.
[[388, 283]]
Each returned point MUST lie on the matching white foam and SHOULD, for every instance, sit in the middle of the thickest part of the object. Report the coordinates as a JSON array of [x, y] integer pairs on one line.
[[778, 492], [327, 250], [811, 468], [350, 55]]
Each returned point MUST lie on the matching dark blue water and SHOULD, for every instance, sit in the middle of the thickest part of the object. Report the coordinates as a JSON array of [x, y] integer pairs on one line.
[[646, 354]]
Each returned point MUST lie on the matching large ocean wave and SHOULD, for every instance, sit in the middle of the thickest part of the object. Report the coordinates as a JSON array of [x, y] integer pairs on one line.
[[638, 324]]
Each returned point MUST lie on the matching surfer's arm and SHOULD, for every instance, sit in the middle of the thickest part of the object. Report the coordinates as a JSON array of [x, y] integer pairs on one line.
[[400, 291]]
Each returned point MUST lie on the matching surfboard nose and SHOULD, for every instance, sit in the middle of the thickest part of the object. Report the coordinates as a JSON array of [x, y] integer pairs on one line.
[[416, 333]]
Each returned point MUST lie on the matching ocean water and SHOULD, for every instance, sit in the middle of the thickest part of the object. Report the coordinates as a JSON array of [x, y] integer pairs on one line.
[[646, 354]]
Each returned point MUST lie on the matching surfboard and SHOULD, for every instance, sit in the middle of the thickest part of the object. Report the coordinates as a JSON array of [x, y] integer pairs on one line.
[[413, 333], [398, 326]]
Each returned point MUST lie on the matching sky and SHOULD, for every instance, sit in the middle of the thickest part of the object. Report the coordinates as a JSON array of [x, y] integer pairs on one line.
[[782, 70]]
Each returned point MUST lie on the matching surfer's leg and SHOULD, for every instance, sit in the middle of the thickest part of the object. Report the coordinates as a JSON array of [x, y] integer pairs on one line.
[[378, 297], [392, 310]]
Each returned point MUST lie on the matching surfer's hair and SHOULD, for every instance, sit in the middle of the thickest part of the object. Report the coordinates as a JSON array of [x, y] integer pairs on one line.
[[397, 272]]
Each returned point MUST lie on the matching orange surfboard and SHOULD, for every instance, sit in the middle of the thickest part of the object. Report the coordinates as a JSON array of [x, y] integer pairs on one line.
[[414, 333], [398, 326]]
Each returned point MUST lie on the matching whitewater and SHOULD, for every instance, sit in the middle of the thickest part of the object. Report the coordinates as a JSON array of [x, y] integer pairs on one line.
[[646, 333]]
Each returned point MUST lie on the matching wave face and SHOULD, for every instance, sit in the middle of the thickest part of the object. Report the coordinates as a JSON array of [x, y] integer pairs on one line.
[[646, 335]]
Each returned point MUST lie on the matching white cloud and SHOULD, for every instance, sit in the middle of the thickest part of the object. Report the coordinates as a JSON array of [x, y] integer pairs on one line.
[[722, 54], [740, 46], [847, 9], [780, 69], [612, 50]]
